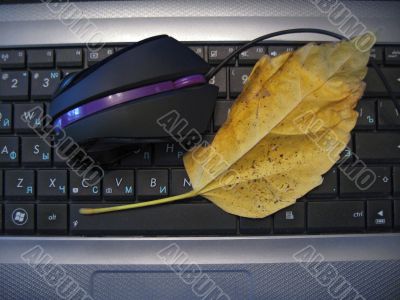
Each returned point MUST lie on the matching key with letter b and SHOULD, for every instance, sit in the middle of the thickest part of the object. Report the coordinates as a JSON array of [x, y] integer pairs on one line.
[[152, 184]]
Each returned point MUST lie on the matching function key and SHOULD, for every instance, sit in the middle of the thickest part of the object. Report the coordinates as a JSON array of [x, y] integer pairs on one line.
[[151, 184], [379, 214], [238, 76], [96, 56], [276, 50], [9, 150], [118, 185], [219, 80], [14, 85], [392, 55], [52, 218], [12, 59], [44, 83], [252, 55], [19, 218], [40, 58], [376, 54], [69, 57], [216, 54], [19, 184], [5, 118], [199, 50]]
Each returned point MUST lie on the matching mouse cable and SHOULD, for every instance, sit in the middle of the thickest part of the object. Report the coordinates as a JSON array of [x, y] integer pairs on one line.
[[246, 46]]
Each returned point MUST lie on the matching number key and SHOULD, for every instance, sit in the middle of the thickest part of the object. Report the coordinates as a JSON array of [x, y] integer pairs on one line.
[[44, 83], [14, 85], [237, 79]]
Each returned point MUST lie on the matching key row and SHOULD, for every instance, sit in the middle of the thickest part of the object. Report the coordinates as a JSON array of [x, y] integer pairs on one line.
[[200, 218], [75, 57], [145, 184], [61, 185]]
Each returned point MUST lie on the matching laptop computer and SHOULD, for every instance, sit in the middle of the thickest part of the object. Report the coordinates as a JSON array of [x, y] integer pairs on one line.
[[337, 242]]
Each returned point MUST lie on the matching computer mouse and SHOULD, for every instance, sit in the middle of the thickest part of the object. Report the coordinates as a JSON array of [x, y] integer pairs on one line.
[[118, 101]]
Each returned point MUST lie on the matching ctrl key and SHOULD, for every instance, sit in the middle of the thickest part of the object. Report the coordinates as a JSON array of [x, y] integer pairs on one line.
[[19, 218], [336, 216]]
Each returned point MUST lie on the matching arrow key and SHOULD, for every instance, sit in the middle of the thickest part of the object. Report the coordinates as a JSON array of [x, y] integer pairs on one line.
[[379, 215]]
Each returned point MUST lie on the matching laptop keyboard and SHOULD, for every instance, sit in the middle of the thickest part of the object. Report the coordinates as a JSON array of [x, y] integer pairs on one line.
[[40, 196]]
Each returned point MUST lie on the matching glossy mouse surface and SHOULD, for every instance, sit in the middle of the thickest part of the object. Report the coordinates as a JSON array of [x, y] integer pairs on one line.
[[122, 97]]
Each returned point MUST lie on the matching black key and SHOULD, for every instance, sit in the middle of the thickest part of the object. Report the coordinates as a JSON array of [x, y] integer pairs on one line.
[[44, 84], [19, 218], [199, 50], [14, 85], [238, 76], [382, 146], [221, 113], [5, 118], [396, 214], [35, 151], [151, 184], [336, 216], [52, 218], [1, 217], [19, 184], [9, 150], [347, 155], [263, 225], [220, 80], [52, 184], [29, 112], [96, 56], [396, 180], [40, 58], [376, 54], [12, 59], [291, 219], [328, 188], [366, 115], [80, 189], [216, 54], [276, 50], [388, 116], [375, 86], [252, 55], [1, 185], [69, 57], [168, 154], [180, 182], [118, 185], [368, 181], [202, 218], [392, 55], [379, 215], [141, 156]]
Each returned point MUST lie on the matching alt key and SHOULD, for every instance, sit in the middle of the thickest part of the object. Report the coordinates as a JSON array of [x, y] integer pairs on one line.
[[52, 218]]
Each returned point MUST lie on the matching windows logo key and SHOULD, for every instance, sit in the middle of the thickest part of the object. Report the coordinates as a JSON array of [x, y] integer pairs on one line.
[[19, 216]]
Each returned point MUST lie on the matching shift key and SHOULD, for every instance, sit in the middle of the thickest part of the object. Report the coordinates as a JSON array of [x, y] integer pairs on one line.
[[336, 216]]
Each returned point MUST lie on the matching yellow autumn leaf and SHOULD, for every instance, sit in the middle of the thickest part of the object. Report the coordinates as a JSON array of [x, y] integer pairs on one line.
[[285, 130]]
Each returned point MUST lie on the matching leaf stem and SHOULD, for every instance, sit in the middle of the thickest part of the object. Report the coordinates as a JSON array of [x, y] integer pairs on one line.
[[93, 211]]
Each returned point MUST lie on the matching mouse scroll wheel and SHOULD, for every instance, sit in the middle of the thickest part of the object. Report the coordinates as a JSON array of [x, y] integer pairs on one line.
[[66, 82]]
